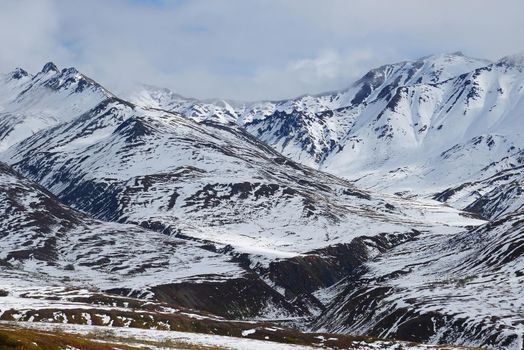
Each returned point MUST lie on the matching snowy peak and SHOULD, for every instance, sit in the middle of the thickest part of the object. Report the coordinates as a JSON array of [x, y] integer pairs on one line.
[[31, 103], [440, 67], [198, 110], [429, 69], [18, 74], [512, 61], [159, 94], [69, 79], [49, 67], [52, 77], [160, 98]]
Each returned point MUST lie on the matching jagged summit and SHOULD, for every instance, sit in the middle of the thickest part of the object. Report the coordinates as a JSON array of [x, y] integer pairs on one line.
[[45, 99], [18, 74], [70, 70], [49, 67]]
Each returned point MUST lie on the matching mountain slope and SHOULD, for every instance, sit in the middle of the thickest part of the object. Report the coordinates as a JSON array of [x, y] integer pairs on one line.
[[81, 252], [48, 248], [42, 235], [157, 169], [497, 192], [466, 289]]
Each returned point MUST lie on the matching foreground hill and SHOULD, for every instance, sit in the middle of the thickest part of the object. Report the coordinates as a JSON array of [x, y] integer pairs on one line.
[[465, 289]]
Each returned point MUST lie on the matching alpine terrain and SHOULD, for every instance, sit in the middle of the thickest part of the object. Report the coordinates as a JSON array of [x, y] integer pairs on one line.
[[386, 215]]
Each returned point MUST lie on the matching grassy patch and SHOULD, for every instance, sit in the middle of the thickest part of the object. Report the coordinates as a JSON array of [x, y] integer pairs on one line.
[[13, 338], [25, 339]]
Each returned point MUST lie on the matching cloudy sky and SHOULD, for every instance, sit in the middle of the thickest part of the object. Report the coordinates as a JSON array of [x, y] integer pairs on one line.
[[248, 49]]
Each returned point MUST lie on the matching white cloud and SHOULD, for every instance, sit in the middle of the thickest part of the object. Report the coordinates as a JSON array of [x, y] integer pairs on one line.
[[248, 49], [325, 66], [27, 33], [328, 70]]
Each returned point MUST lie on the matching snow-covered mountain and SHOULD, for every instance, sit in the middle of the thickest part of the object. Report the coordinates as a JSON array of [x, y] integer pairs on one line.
[[429, 124], [217, 184], [29, 103], [257, 210], [154, 168], [312, 127]]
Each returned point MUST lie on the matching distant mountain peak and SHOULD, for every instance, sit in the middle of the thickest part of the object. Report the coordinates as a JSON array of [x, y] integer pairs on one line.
[[48, 67], [19, 73], [70, 70], [157, 90], [516, 60]]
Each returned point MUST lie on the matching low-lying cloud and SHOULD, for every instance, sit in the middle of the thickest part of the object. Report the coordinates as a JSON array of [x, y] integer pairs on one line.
[[257, 49]]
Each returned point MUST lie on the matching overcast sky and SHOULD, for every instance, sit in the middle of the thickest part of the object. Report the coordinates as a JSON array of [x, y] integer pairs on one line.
[[248, 49]]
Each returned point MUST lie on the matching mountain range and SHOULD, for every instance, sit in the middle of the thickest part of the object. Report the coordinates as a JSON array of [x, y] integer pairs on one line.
[[392, 208]]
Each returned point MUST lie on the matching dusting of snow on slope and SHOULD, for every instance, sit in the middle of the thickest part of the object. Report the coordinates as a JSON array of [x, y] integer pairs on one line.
[[42, 237], [466, 289]]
